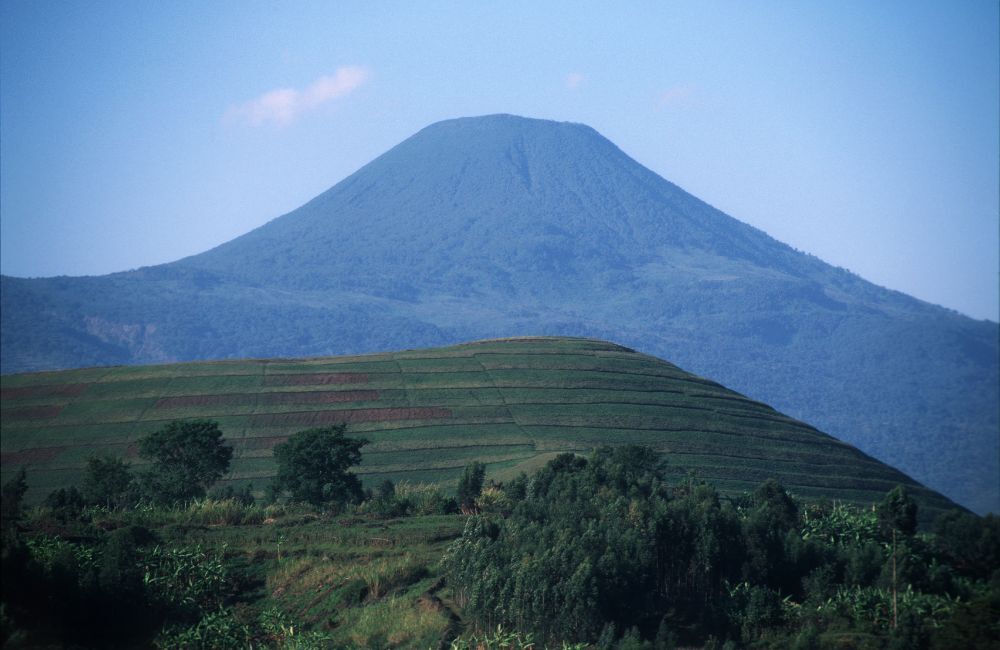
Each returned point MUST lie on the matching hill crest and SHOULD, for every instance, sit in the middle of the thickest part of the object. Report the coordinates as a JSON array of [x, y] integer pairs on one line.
[[512, 403]]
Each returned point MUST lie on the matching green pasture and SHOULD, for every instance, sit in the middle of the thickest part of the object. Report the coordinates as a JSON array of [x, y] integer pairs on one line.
[[511, 403]]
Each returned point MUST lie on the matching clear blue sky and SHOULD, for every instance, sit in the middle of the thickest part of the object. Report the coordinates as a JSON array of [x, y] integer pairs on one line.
[[866, 133]]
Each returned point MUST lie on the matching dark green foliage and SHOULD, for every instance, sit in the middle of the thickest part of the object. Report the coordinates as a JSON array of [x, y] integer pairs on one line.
[[517, 488], [219, 630], [384, 502], [754, 610], [386, 490], [185, 579], [971, 544], [596, 542], [313, 466], [107, 481], [973, 624], [898, 512], [66, 504], [119, 571], [470, 485], [187, 458], [11, 499], [770, 530], [599, 548], [616, 557], [243, 496]]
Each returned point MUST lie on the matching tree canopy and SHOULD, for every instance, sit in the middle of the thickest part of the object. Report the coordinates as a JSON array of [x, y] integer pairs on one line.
[[107, 481], [470, 485], [313, 464], [187, 458]]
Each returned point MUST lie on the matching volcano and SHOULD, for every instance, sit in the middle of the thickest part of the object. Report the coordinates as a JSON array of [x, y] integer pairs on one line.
[[501, 226]]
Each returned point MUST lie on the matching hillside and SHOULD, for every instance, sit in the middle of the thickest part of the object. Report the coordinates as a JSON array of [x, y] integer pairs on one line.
[[501, 226], [512, 404]]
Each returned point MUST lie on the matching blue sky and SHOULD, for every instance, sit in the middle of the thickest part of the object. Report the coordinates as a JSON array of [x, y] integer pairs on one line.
[[865, 133]]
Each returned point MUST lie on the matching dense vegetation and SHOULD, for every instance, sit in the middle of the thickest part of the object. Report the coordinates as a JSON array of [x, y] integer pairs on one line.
[[119, 564], [510, 404], [500, 226], [602, 551]]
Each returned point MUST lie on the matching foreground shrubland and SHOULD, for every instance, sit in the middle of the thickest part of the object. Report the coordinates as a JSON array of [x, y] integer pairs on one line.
[[600, 551]]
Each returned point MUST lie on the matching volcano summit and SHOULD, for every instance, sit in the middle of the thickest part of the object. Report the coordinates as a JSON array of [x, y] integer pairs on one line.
[[502, 226]]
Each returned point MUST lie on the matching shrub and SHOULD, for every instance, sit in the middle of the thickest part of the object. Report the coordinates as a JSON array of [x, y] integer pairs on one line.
[[218, 629], [186, 577]]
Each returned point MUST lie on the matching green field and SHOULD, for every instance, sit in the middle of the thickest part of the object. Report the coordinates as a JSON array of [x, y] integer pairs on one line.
[[511, 403]]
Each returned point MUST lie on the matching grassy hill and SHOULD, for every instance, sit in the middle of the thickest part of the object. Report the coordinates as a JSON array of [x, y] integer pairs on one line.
[[511, 403]]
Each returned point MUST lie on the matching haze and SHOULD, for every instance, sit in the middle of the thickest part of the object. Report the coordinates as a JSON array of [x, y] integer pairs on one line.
[[865, 134]]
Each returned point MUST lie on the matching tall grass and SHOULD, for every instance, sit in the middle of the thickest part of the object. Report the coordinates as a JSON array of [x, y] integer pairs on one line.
[[199, 512], [384, 575], [394, 622], [502, 639]]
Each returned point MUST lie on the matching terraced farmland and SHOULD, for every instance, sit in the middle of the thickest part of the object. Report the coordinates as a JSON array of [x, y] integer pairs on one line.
[[512, 403]]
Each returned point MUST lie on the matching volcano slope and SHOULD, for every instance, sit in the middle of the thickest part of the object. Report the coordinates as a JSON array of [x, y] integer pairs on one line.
[[502, 226], [512, 404]]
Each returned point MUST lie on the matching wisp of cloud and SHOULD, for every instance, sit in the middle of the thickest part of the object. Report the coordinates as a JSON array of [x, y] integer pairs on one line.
[[282, 106]]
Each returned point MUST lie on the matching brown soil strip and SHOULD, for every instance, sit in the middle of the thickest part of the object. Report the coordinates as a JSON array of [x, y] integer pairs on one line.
[[317, 418], [326, 397], [317, 379], [36, 392], [264, 442], [31, 413], [269, 399], [30, 456], [204, 400]]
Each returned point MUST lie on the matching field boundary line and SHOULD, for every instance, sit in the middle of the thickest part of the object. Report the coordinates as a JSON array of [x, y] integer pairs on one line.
[[503, 399]]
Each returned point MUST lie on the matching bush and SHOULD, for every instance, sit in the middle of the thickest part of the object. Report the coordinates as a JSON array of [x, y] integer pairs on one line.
[[218, 629], [186, 578], [66, 504]]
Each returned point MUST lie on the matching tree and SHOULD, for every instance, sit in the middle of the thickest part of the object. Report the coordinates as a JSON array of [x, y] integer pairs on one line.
[[770, 525], [386, 490], [66, 503], [187, 458], [13, 492], [313, 464], [470, 485], [897, 513], [107, 481]]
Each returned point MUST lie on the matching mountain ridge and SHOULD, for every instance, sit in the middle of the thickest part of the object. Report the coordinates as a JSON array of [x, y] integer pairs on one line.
[[486, 227]]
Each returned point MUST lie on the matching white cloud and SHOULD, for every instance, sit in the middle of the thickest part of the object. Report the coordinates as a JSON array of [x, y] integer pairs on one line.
[[283, 105], [574, 79]]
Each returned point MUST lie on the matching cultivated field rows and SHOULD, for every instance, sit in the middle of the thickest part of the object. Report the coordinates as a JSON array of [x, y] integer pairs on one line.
[[510, 403]]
